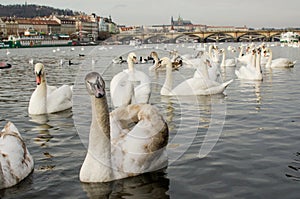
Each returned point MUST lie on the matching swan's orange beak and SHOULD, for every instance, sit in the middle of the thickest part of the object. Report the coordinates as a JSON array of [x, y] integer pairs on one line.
[[38, 79]]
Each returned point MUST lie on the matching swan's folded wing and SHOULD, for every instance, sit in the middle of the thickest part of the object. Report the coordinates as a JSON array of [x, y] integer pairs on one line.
[[50, 89], [60, 99], [142, 148], [143, 91], [120, 90], [15, 160]]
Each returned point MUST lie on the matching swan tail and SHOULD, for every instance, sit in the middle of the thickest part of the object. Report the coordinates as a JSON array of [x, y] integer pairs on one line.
[[225, 84]]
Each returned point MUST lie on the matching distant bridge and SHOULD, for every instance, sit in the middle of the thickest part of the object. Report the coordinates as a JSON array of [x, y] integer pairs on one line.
[[213, 36]]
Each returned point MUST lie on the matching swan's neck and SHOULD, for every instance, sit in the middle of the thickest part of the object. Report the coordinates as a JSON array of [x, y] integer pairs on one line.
[[167, 87], [210, 51], [42, 88], [130, 65], [156, 60], [223, 59], [97, 164], [241, 51], [253, 60], [38, 100], [257, 64], [269, 62]]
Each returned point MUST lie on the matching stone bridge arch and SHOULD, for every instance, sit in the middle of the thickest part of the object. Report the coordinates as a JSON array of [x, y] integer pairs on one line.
[[252, 37], [159, 38], [187, 38], [219, 37], [275, 37]]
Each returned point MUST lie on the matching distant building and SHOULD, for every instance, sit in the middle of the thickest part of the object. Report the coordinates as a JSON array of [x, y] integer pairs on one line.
[[180, 22], [11, 26], [181, 25], [67, 24], [87, 25], [3, 31]]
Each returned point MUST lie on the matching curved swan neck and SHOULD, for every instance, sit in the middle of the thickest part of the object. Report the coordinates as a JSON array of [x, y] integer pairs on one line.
[[210, 51], [100, 115], [269, 62], [167, 87], [155, 59], [97, 164], [241, 51], [38, 100], [130, 64], [253, 60], [223, 58], [257, 64]]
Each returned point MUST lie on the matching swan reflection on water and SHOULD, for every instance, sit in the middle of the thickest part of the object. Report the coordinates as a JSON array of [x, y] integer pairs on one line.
[[45, 122], [201, 114], [148, 185]]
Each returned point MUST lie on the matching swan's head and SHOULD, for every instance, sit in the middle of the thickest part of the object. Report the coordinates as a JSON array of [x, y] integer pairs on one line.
[[132, 57], [39, 71], [153, 54], [165, 61], [95, 84], [258, 50]]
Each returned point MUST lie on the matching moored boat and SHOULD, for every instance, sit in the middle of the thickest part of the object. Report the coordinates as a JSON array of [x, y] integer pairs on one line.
[[289, 37], [36, 41]]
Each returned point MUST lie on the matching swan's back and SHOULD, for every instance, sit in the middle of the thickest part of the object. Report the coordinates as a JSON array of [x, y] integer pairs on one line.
[[120, 89], [60, 99], [139, 138], [16, 163], [282, 62]]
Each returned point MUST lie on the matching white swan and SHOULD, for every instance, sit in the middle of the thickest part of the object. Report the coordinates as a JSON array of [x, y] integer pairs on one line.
[[120, 85], [154, 55], [48, 99], [251, 71], [193, 86], [213, 53], [126, 142], [279, 62], [244, 58], [158, 67], [227, 62], [16, 163]]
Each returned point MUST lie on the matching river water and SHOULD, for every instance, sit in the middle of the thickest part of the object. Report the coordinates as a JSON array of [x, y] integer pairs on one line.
[[245, 144]]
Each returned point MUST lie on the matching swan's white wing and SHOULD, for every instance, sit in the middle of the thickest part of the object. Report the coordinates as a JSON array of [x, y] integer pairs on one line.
[[230, 62], [140, 148], [199, 86], [248, 73], [15, 160], [142, 87], [217, 89], [60, 99], [282, 62], [120, 89], [50, 89]]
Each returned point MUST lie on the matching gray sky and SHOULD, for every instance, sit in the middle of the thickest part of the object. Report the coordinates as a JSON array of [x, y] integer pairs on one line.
[[252, 13]]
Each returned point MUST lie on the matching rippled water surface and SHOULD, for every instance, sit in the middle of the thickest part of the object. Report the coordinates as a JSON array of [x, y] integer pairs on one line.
[[255, 127]]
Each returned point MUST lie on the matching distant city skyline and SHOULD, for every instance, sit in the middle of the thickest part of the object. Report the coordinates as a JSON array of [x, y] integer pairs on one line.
[[253, 14]]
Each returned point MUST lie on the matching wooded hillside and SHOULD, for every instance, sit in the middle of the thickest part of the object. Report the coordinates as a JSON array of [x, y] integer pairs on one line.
[[32, 10]]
